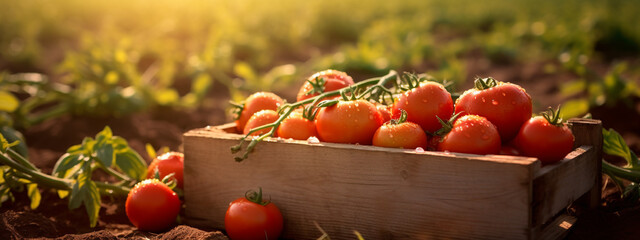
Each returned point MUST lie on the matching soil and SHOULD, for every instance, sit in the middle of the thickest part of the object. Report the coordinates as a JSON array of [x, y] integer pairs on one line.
[[615, 219]]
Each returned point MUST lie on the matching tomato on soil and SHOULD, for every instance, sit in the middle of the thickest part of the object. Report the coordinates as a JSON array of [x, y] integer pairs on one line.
[[171, 162], [398, 133], [423, 104], [258, 119], [506, 105], [546, 138], [152, 206], [256, 102], [295, 126], [325, 81], [251, 218], [348, 122], [471, 134]]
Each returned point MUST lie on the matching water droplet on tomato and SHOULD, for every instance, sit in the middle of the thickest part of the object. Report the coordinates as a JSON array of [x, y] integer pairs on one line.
[[484, 100], [313, 140], [485, 137], [494, 102]]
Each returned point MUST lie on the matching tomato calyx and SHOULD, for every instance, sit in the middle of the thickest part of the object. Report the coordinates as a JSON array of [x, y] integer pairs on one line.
[[317, 86], [169, 179], [485, 83], [401, 119], [256, 197], [553, 116], [236, 109], [446, 126]]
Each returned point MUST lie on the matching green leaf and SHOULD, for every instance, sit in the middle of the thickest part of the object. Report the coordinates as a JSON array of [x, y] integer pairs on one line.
[[614, 144], [150, 151], [132, 164], [5, 194], [106, 155], [85, 192], [34, 195], [8, 102], [201, 85], [63, 194], [4, 144], [66, 162], [245, 71], [573, 88], [574, 108], [166, 97], [106, 134]]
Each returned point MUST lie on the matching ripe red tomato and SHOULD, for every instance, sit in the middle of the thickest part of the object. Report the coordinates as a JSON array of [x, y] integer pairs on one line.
[[295, 126], [251, 218], [256, 102], [348, 122], [171, 162], [509, 150], [423, 104], [385, 112], [330, 80], [471, 134], [152, 206], [400, 134], [258, 119], [506, 105], [547, 139]]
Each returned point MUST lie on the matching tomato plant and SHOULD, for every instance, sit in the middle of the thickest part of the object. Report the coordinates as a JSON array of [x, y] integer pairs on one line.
[[252, 218], [165, 164], [258, 119], [253, 104], [545, 137], [398, 133], [506, 105], [424, 102], [353, 121], [152, 206], [297, 126], [324, 81], [470, 134]]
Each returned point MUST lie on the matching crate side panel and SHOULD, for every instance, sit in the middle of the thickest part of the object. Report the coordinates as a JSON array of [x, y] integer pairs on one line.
[[557, 186], [381, 194]]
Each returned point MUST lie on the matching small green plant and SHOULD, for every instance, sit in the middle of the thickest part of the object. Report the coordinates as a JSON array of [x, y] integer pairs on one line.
[[72, 174], [615, 145]]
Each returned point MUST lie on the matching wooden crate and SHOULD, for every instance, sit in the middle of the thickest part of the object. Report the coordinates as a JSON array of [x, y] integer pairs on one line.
[[388, 193]]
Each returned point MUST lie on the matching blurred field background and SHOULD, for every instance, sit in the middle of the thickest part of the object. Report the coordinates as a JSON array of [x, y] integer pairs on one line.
[[119, 57], [153, 70]]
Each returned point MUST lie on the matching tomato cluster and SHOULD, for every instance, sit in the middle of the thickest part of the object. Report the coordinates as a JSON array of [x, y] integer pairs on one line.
[[492, 118]]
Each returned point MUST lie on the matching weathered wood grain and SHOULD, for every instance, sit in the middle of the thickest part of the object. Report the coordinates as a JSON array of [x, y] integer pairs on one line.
[[380, 192]]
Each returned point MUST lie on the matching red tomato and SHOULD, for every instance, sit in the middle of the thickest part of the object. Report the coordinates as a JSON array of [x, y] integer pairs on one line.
[[506, 105], [152, 206], [424, 103], [509, 150], [171, 162], [331, 80], [295, 126], [252, 219], [540, 138], [256, 102], [348, 122], [385, 112], [471, 134], [400, 134], [258, 119]]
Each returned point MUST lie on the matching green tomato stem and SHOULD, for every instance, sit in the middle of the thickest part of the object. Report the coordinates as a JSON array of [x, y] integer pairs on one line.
[[628, 174], [380, 81]]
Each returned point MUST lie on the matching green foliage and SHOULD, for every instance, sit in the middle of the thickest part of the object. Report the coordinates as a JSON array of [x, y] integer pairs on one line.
[[72, 174], [614, 144]]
